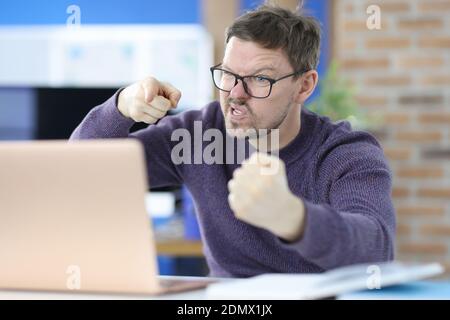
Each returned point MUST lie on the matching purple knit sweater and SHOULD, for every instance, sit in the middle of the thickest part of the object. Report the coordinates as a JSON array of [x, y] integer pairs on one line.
[[341, 175]]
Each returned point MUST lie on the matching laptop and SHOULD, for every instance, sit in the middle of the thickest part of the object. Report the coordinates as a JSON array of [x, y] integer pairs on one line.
[[73, 218]]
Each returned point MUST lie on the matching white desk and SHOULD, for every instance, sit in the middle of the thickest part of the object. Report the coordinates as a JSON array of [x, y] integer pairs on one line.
[[415, 290], [42, 295]]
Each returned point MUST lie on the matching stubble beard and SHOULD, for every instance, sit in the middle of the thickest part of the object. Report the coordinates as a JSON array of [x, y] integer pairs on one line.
[[252, 130]]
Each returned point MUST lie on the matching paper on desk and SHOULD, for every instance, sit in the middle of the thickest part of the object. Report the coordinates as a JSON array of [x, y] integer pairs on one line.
[[315, 286]]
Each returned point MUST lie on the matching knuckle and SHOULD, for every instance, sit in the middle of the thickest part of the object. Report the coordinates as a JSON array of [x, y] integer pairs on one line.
[[155, 115], [231, 184], [150, 119], [232, 202], [177, 95], [153, 111], [159, 103], [135, 113], [150, 80]]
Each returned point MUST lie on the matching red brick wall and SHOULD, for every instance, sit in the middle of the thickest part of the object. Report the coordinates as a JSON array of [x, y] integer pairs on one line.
[[402, 71]]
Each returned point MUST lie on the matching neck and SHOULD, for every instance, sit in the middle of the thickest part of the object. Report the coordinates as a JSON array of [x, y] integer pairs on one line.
[[288, 130]]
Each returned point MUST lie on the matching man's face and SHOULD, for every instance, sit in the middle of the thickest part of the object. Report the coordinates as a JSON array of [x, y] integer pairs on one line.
[[243, 114]]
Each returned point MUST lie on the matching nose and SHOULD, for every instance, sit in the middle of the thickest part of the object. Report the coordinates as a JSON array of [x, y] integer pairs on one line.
[[238, 91]]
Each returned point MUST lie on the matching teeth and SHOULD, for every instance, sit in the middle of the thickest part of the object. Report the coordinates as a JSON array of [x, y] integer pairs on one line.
[[236, 112]]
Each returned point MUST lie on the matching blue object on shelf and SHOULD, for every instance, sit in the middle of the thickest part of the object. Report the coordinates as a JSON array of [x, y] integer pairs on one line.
[[191, 229], [158, 222], [166, 266]]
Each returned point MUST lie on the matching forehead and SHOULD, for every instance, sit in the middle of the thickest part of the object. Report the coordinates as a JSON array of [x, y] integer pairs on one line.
[[246, 56]]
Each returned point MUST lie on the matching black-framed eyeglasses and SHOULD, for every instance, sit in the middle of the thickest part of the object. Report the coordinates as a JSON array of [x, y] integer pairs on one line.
[[255, 86]]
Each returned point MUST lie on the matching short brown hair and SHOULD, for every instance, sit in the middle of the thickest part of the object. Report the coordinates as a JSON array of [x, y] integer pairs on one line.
[[274, 27]]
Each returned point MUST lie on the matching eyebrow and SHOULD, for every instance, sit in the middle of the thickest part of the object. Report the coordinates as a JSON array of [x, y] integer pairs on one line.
[[254, 72]]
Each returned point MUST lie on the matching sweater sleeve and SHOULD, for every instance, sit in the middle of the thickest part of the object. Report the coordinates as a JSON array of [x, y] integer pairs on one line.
[[357, 224], [106, 121]]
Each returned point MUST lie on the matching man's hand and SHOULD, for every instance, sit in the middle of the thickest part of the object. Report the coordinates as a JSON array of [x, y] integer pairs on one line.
[[262, 197], [148, 100]]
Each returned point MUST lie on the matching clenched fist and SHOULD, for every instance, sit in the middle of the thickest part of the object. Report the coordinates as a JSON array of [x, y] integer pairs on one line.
[[148, 100], [261, 197]]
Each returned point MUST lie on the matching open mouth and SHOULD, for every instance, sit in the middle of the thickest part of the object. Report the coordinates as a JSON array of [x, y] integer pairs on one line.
[[238, 113]]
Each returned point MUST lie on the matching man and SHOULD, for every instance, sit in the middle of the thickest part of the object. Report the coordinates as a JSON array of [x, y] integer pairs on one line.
[[327, 205]]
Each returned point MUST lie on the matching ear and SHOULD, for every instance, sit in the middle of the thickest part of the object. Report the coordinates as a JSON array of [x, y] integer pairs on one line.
[[307, 84]]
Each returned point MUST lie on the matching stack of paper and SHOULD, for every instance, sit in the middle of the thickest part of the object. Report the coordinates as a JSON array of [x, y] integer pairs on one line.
[[325, 285]]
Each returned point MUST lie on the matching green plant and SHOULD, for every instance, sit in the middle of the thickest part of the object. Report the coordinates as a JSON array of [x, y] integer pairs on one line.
[[337, 100]]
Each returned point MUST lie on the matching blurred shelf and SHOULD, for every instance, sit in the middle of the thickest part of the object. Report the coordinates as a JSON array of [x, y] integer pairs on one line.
[[171, 241], [179, 248]]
